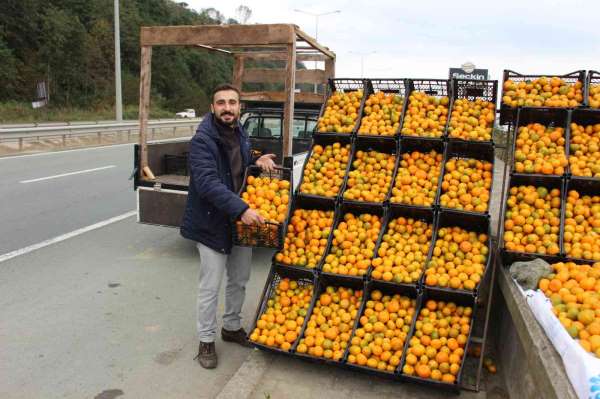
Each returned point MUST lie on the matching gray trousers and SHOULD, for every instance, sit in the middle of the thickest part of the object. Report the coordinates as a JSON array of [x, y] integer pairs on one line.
[[212, 266]]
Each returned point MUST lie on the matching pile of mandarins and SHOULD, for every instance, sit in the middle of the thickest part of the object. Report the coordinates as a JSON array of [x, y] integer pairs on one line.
[[582, 226], [403, 251], [594, 96], [458, 260], [371, 176], [575, 294], [417, 178], [341, 112], [381, 114], [532, 221], [325, 169], [282, 320], [437, 347], [542, 92], [540, 149], [384, 325], [269, 196], [306, 238], [426, 116], [353, 245], [584, 151], [466, 184], [328, 330], [472, 120]]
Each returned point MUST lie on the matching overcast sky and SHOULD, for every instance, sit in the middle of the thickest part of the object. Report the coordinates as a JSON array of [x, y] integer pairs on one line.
[[423, 38]]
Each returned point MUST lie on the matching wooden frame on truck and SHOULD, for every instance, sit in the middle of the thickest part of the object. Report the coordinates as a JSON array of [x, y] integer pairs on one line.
[[282, 42]]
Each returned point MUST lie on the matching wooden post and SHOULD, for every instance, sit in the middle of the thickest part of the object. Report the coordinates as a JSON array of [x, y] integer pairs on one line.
[[238, 71], [144, 109], [329, 71], [288, 108]]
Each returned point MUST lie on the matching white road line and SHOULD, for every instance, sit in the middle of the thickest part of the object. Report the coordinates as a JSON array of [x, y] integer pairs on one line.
[[68, 174], [102, 147], [64, 237]]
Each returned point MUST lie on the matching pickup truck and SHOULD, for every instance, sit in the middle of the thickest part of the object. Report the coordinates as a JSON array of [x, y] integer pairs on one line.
[[162, 201], [187, 113]]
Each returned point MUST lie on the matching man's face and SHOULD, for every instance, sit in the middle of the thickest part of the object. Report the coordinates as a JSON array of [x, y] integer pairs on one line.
[[226, 106]]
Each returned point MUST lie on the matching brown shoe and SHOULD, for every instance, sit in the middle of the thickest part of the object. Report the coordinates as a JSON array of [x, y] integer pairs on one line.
[[239, 337], [207, 355]]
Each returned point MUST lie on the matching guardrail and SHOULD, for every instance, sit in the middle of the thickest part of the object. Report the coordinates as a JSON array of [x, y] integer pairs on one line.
[[27, 133]]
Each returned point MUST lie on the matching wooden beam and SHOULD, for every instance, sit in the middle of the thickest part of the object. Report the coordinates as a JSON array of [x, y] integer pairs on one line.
[[330, 69], [217, 35], [288, 107], [263, 75], [144, 108], [279, 56], [313, 43], [278, 96], [210, 48], [238, 70]]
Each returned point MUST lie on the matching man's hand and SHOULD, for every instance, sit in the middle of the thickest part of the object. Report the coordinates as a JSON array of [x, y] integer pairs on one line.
[[266, 162], [250, 216]]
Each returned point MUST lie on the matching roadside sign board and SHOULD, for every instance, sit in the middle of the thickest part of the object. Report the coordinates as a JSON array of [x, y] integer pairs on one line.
[[477, 74]]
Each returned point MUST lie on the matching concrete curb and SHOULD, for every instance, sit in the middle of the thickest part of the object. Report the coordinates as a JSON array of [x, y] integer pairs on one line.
[[244, 381]]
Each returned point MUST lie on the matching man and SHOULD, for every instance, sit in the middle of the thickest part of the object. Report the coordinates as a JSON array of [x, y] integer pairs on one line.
[[218, 157]]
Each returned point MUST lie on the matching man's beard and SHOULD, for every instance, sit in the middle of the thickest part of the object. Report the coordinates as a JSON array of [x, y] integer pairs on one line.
[[220, 118]]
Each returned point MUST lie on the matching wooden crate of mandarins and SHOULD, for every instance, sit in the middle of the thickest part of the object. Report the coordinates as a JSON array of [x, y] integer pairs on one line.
[[559, 91], [340, 113], [439, 339], [584, 144], [473, 110], [283, 308], [270, 194], [540, 145], [593, 89]]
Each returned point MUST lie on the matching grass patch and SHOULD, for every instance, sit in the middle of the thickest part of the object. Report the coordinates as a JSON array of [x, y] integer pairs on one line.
[[19, 112]]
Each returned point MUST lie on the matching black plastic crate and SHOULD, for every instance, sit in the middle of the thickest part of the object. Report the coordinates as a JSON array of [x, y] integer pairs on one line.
[[471, 90], [276, 274], [408, 212], [380, 145], [582, 117], [325, 141], [386, 290], [355, 209], [308, 204], [557, 117], [509, 114], [409, 144], [472, 223], [321, 284], [592, 79], [342, 85], [459, 300], [176, 164], [388, 86], [431, 87], [583, 187], [482, 151], [270, 234], [549, 182]]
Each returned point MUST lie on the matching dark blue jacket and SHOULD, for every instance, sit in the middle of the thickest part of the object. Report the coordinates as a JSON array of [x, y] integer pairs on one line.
[[212, 206]]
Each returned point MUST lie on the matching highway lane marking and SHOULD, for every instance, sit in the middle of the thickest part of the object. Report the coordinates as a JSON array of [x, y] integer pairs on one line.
[[68, 174], [102, 147], [63, 237]]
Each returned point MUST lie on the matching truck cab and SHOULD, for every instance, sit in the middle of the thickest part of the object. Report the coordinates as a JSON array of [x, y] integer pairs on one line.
[[162, 201]]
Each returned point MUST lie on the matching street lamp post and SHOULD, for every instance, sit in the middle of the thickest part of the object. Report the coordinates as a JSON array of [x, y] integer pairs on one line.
[[317, 15], [362, 60], [118, 96]]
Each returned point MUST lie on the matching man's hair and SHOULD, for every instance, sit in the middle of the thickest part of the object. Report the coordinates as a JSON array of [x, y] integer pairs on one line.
[[223, 87]]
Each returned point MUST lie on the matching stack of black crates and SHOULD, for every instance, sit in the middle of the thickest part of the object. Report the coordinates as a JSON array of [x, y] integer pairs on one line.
[[516, 118], [435, 215]]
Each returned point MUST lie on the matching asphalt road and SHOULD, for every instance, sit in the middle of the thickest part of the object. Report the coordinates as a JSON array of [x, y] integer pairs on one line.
[[35, 210]]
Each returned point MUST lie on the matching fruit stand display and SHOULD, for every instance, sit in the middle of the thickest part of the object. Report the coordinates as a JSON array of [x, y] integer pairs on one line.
[[391, 222]]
